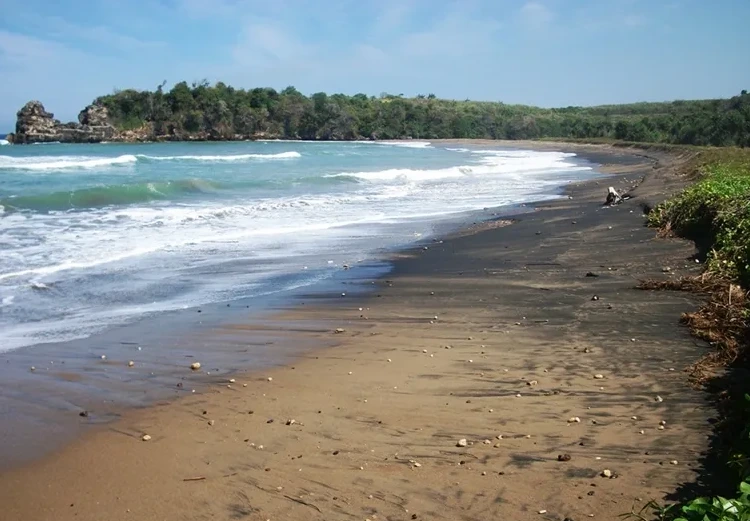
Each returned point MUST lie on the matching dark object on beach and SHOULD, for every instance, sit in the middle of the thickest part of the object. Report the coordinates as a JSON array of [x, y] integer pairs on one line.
[[595, 297], [83, 414], [563, 457], [591, 274], [335, 453], [270, 421], [613, 197]]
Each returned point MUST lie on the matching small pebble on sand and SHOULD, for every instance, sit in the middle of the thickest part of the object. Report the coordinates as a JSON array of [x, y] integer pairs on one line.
[[350, 372], [634, 417], [658, 399], [390, 360], [145, 437], [487, 442], [195, 366], [662, 422], [104, 357], [574, 419], [231, 380], [339, 330], [211, 423], [606, 473], [599, 377], [462, 443], [673, 462], [131, 363], [270, 379], [641, 432], [660, 427], [542, 511]]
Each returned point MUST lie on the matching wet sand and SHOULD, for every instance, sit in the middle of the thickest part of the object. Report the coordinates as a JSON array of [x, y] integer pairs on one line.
[[497, 336]]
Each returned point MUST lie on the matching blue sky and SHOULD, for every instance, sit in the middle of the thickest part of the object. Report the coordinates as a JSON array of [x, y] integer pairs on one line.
[[541, 52]]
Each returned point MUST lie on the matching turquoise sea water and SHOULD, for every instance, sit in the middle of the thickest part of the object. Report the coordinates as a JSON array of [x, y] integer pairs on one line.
[[93, 236]]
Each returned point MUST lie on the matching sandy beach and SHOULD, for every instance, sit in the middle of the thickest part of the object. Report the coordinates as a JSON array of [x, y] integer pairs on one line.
[[509, 371]]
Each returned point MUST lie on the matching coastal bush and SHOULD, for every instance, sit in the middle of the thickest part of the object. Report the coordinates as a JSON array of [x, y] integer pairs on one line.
[[223, 112], [715, 213]]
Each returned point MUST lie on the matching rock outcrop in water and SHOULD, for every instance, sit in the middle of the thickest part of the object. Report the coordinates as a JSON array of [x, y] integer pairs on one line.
[[35, 125]]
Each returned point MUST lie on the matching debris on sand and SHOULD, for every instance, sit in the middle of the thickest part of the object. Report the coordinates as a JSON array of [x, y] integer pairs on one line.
[[563, 457], [146, 437], [195, 366], [613, 197], [606, 473], [339, 330], [462, 443]]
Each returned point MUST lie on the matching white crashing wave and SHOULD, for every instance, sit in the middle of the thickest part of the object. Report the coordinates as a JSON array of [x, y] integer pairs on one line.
[[517, 163], [405, 144], [50, 163], [4, 142], [235, 157], [42, 163]]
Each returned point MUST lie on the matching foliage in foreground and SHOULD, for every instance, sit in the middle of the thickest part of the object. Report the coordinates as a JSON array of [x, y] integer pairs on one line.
[[204, 111], [715, 212]]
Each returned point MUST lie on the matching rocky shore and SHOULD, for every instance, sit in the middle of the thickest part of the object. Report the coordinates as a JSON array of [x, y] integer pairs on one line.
[[35, 125]]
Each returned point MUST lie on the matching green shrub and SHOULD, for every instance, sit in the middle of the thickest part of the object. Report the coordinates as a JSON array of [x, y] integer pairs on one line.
[[715, 212]]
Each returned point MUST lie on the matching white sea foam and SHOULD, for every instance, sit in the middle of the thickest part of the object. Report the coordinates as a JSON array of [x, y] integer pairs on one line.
[[227, 158], [4, 142], [52, 163], [405, 143], [490, 162], [46, 163], [127, 260]]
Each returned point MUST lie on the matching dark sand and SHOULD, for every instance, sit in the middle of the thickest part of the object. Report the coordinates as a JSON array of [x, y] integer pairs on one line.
[[507, 365]]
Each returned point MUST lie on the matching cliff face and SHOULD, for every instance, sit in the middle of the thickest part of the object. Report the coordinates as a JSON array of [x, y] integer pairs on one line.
[[35, 125]]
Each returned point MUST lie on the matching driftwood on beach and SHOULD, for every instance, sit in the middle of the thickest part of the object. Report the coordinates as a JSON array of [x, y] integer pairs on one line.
[[613, 197]]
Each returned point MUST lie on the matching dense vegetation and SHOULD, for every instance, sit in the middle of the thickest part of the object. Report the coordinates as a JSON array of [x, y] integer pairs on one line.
[[715, 212], [221, 112]]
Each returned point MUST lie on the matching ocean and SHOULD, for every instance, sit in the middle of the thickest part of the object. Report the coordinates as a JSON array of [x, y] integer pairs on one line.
[[97, 236]]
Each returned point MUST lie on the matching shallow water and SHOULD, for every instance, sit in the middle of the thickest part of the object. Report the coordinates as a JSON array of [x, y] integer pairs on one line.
[[94, 236]]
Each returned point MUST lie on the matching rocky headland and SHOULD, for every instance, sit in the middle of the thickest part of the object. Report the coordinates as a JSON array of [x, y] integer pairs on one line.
[[35, 125]]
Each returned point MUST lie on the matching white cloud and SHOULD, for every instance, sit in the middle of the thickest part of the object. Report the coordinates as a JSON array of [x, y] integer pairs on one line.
[[536, 15]]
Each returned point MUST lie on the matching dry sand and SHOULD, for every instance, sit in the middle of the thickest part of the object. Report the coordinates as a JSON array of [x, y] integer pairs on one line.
[[492, 336]]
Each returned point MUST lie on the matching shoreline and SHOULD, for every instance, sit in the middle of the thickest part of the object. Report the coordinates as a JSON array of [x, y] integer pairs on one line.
[[77, 378], [318, 380]]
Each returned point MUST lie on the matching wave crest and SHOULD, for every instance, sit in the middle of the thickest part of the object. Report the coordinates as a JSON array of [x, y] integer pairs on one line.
[[63, 162], [216, 158]]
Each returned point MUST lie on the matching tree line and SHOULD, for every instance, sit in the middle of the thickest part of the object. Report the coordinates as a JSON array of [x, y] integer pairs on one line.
[[205, 111]]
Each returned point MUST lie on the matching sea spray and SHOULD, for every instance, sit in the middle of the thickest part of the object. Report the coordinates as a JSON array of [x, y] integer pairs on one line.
[[122, 231]]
